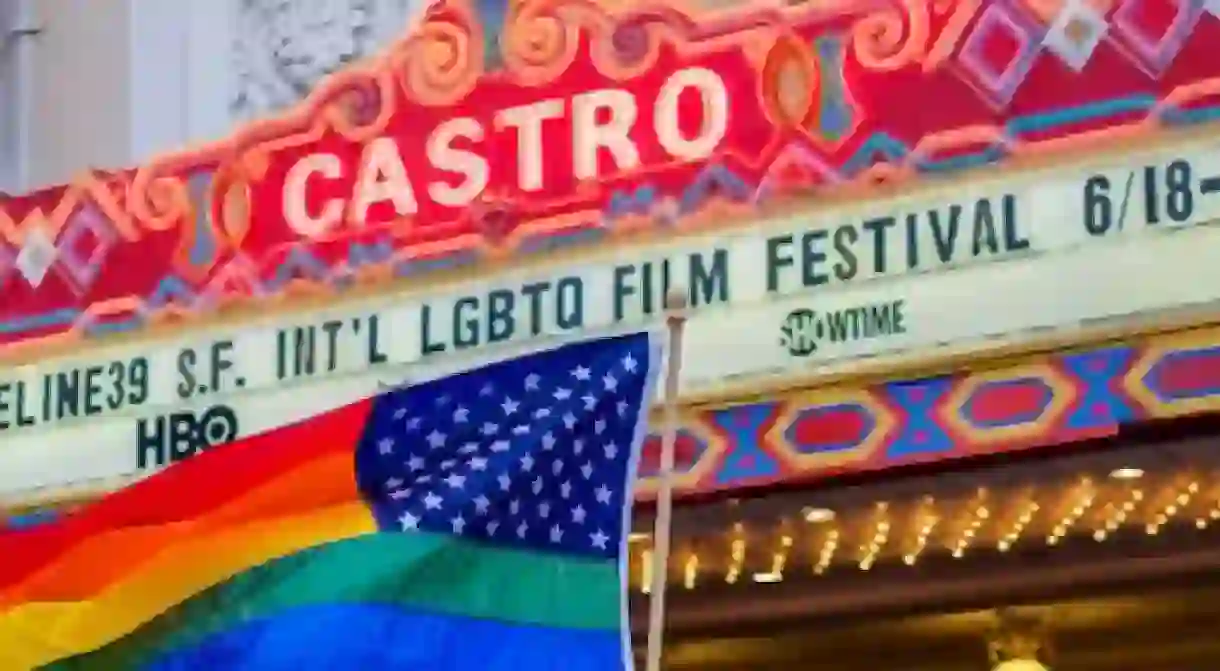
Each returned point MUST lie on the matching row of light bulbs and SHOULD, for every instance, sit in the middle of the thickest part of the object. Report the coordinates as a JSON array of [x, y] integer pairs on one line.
[[1117, 514]]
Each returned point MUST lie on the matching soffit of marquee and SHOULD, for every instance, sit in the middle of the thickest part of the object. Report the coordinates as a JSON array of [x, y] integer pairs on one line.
[[177, 238]]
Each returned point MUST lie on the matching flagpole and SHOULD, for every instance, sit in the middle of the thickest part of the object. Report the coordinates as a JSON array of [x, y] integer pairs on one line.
[[675, 322]]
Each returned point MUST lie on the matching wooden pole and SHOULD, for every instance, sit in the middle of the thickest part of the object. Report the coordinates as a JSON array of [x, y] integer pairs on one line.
[[675, 321]]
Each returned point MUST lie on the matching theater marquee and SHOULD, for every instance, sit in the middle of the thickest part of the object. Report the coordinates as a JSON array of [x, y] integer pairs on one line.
[[441, 204]]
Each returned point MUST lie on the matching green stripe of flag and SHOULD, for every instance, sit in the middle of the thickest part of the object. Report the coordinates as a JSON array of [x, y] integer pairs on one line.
[[424, 572]]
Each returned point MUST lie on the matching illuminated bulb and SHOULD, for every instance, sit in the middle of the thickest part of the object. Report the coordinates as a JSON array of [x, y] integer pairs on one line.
[[1018, 527], [1078, 511], [690, 572], [646, 572], [980, 515], [1180, 501], [827, 554], [818, 515], [881, 535], [778, 560], [1212, 516], [737, 558], [921, 539]]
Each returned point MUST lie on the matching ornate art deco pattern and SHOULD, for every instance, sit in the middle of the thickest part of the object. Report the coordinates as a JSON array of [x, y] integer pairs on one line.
[[858, 92]]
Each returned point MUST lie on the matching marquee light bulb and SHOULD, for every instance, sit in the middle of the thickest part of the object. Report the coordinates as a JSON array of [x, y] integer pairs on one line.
[[980, 515], [1171, 509], [737, 558], [690, 572], [1018, 526], [1083, 504], [646, 571], [827, 554]]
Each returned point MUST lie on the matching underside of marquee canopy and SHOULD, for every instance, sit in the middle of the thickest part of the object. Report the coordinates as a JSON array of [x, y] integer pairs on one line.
[[1102, 540]]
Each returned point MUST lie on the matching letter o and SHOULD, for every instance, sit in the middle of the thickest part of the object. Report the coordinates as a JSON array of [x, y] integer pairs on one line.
[[714, 97]]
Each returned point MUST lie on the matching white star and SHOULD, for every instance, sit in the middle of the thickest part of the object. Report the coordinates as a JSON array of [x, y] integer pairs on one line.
[[556, 534], [609, 382], [587, 470], [456, 481], [409, 522], [394, 483], [487, 390], [537, 485], [490, 429], [423, 478], [629, 363], [548, 441], [578, 446], [542, 413], [521, 529], [436, 439], [521, 430], [413, 423], [562, 394], [385, 445], [458, 524], [477, 464], [468, 448], [415, 463], [492, 525], [603, 494], [400, 413], [510, 406], [611, 450], [621, 407], [581, 373], [514, 506], [501, 446], [544, 510], [400, 494], [599, 427], [442, 401], [599, 539], [505, 482], [556, 466], [569, 421], [531, 381], [527, 463], [481, 503], [448, 464], [461, 415], [565, 489], [590, 401], [432, 501], [578, 515]]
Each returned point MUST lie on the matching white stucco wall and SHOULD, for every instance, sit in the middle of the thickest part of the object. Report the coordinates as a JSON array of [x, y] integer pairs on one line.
[[107, 83]]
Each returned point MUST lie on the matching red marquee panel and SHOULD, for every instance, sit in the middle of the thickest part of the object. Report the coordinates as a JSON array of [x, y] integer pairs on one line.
[[571, 124]]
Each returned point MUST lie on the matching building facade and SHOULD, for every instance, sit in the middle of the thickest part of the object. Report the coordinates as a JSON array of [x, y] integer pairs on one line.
[[156, 77], [912, 235]]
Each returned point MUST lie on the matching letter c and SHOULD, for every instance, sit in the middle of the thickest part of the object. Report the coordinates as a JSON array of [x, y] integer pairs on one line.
[[296, 183]]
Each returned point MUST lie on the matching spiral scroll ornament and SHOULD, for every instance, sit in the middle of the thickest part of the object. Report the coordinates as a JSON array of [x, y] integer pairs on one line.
[[893, 37], [540, 41], [442, 62]]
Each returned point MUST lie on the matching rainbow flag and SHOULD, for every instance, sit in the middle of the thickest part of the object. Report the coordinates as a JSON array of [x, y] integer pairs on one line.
[[478, 521]]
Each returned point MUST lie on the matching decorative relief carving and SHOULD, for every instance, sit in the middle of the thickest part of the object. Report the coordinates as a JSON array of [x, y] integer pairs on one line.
[[283, 48]]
